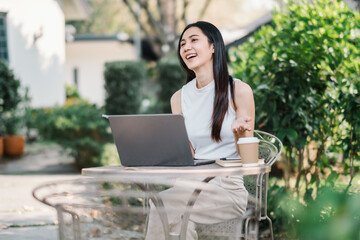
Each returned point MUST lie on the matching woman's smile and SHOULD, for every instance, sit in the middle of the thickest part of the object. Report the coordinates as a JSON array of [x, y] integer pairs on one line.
[[190, 56]]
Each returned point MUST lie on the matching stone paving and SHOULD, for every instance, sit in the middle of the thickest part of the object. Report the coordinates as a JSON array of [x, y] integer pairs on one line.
[[22, 217]]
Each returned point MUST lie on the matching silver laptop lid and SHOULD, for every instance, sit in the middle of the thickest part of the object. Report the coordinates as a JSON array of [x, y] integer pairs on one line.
[[151, 140]]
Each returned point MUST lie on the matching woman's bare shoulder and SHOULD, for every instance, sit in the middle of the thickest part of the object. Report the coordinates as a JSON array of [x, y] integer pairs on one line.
[[176, 96], [175, 102], [241, 88]]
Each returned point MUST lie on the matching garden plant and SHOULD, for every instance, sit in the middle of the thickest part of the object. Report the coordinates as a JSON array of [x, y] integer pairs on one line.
[[78, 127], [304, 69], [171, 78], [123, 81], [9, 95]]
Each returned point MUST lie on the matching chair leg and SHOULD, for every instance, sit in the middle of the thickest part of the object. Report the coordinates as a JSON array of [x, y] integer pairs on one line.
[[246, 228], [251, 229], [271, 227]]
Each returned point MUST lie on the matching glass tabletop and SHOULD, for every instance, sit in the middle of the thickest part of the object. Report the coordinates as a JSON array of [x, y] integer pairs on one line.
[[172, 171]]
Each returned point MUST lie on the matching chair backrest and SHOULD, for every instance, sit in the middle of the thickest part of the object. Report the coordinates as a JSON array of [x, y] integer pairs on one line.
[[269, 142], [270, 148]]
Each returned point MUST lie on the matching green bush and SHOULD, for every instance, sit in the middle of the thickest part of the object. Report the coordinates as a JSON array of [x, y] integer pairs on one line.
[[334, 214], [123, 86], [109, 155], [13, 122], [331, 216], [9, 85], [171, 78], [77, 127], [9, 94], [16, 120], [72, 92], [304, 69]]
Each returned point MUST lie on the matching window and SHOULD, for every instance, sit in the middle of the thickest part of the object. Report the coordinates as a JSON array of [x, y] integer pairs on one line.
[[75, 77], [3, 38]]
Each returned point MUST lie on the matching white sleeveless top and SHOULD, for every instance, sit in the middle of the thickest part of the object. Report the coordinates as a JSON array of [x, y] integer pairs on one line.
[[197, 107]]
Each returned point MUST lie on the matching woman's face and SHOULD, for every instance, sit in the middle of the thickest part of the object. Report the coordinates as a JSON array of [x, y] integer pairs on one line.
[[195, 49]]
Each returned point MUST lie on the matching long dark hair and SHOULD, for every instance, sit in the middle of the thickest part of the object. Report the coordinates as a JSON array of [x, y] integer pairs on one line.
[[221, 75]]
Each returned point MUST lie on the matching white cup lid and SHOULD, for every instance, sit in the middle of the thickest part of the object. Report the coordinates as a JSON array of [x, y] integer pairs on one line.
[[248, 140]]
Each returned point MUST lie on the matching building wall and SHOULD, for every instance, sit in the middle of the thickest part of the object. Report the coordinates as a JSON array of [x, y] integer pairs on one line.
[[89, 58], [36, 44]]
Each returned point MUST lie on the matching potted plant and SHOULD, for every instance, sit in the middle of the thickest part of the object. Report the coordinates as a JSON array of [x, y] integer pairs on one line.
[[14, 141], [2, 132], [9, 100]]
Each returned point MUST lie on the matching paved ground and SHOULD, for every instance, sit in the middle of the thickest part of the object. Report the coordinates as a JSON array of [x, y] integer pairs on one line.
[[22, 217]]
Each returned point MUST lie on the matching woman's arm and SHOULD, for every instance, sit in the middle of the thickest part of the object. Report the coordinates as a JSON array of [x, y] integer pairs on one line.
[[175, 102], [244, 124]]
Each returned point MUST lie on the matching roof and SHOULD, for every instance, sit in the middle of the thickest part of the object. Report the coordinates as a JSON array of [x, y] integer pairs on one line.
[[76, 9], [122, 37], [248, 31], [147, 52]]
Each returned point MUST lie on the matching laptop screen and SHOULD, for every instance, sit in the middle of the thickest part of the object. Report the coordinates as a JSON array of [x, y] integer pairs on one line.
[[151, 140]]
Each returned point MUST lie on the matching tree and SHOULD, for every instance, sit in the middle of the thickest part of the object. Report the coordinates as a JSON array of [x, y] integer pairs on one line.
[[107, 17], [305, 71], [161, 21]]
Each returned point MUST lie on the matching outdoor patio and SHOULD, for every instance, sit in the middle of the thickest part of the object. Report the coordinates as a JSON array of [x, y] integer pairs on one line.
[[22, 216], [63, 66]]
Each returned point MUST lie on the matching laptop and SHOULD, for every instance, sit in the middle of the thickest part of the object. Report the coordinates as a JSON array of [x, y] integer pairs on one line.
[[152, 140]]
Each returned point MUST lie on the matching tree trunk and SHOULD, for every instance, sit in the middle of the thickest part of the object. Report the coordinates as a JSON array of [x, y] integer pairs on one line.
[[287, 168], [161, 26], [352, 154], [168, 16], [300, 168]]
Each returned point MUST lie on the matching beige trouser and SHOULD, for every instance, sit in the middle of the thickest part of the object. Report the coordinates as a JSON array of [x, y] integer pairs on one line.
[[225, 199]]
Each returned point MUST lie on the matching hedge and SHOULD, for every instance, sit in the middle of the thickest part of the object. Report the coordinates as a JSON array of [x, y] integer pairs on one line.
[[123, 84]]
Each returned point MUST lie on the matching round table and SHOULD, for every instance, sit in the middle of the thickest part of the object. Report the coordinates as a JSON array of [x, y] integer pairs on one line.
[[206, 172]]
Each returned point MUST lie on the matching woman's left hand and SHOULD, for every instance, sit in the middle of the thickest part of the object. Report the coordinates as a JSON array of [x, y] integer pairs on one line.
[[241, 125]]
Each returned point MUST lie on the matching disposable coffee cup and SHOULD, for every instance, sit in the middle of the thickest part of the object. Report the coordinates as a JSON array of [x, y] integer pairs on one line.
[[249, 151]]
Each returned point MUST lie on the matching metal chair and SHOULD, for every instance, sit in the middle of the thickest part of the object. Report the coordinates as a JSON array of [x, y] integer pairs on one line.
[[99, 208], [270, 148]]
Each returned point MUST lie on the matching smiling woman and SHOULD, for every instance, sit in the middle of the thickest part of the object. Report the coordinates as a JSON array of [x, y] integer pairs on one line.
[[217, 110], [197, 52]]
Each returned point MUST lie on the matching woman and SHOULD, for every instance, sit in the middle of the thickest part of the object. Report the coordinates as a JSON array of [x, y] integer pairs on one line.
[[217, 110]]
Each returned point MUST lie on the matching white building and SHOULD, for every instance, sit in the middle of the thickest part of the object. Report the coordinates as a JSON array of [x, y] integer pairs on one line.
[[86, 56], [32, 41]]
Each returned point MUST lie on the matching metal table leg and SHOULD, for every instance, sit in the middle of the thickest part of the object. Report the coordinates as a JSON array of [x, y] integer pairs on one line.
[[189, 206]]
